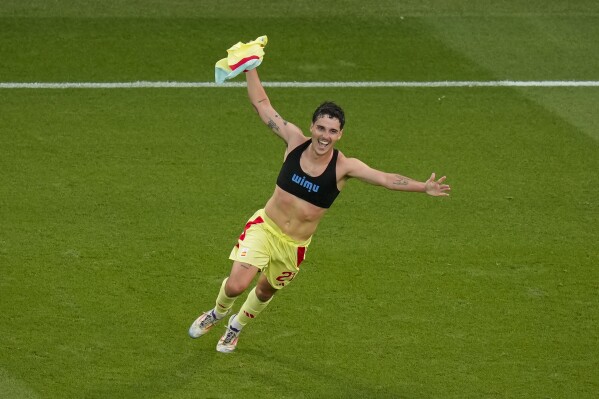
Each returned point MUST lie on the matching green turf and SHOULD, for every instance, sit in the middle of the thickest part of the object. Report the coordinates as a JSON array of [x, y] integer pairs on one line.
[[118, 207]]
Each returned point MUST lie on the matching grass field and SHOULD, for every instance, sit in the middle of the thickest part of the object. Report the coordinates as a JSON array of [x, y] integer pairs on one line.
[[118, 207]]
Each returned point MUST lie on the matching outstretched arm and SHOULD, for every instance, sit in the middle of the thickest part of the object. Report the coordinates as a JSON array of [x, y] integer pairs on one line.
[[286, 130], [392, 181]]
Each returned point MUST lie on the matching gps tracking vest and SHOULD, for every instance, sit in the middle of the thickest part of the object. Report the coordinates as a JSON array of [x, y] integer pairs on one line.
[[320, 190]]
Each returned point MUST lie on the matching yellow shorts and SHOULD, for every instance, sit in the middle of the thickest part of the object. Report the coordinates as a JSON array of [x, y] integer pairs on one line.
[[264, 245]]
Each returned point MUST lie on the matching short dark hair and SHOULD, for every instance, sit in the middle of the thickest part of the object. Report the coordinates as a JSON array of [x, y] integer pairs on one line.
[[330, 109]]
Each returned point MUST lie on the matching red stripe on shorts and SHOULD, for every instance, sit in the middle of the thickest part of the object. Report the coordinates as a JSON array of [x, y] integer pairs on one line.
[[249, 224], [301, 255]]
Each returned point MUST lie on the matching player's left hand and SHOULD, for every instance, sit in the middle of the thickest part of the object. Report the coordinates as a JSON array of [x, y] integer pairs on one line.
[[436, 188]]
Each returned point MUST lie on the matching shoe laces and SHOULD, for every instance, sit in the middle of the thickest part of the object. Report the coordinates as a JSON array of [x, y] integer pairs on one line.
[[230, 335], [208, 320]]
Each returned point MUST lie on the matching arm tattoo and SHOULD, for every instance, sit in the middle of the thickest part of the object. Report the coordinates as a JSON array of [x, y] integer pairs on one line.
[[284, 121], [271, 124], [401, 180]]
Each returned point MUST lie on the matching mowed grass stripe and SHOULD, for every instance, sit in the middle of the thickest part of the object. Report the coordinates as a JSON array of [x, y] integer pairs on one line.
[[146, 84]]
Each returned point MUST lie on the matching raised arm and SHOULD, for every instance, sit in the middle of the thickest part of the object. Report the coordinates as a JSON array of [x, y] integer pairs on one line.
[[291, 134], [355, 168]]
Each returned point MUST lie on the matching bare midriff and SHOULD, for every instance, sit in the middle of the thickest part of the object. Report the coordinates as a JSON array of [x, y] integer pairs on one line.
[[295, 217]]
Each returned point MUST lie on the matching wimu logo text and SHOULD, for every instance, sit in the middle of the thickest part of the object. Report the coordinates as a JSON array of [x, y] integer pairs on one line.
[[308, 185]]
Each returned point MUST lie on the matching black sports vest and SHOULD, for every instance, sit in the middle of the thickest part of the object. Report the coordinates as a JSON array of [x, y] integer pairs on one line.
[[320, 191]]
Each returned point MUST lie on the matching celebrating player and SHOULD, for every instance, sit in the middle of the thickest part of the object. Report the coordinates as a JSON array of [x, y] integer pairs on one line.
[[276, 238]]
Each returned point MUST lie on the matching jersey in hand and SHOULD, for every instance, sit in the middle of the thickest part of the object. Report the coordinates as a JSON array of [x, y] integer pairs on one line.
[[320, 190]]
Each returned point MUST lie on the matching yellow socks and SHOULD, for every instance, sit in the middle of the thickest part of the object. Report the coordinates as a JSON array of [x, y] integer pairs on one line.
[[223, 302], [250, 309]]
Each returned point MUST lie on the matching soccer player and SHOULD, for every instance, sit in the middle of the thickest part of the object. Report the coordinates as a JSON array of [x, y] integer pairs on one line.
[[275, 239]]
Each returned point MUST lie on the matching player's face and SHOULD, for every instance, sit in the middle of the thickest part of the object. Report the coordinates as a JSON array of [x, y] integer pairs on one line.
[[325, 133]]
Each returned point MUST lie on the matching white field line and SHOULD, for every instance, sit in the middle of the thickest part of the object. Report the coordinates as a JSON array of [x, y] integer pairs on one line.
[[146, 84]]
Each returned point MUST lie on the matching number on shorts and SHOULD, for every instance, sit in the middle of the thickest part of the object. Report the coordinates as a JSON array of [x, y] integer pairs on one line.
[[286, 277]]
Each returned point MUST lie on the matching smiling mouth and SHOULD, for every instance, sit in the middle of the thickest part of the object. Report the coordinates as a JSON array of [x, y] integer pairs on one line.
[[323, 143]]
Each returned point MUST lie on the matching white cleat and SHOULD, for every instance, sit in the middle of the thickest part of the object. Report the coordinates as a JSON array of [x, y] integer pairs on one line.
[[228, 342], [203, 324]]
